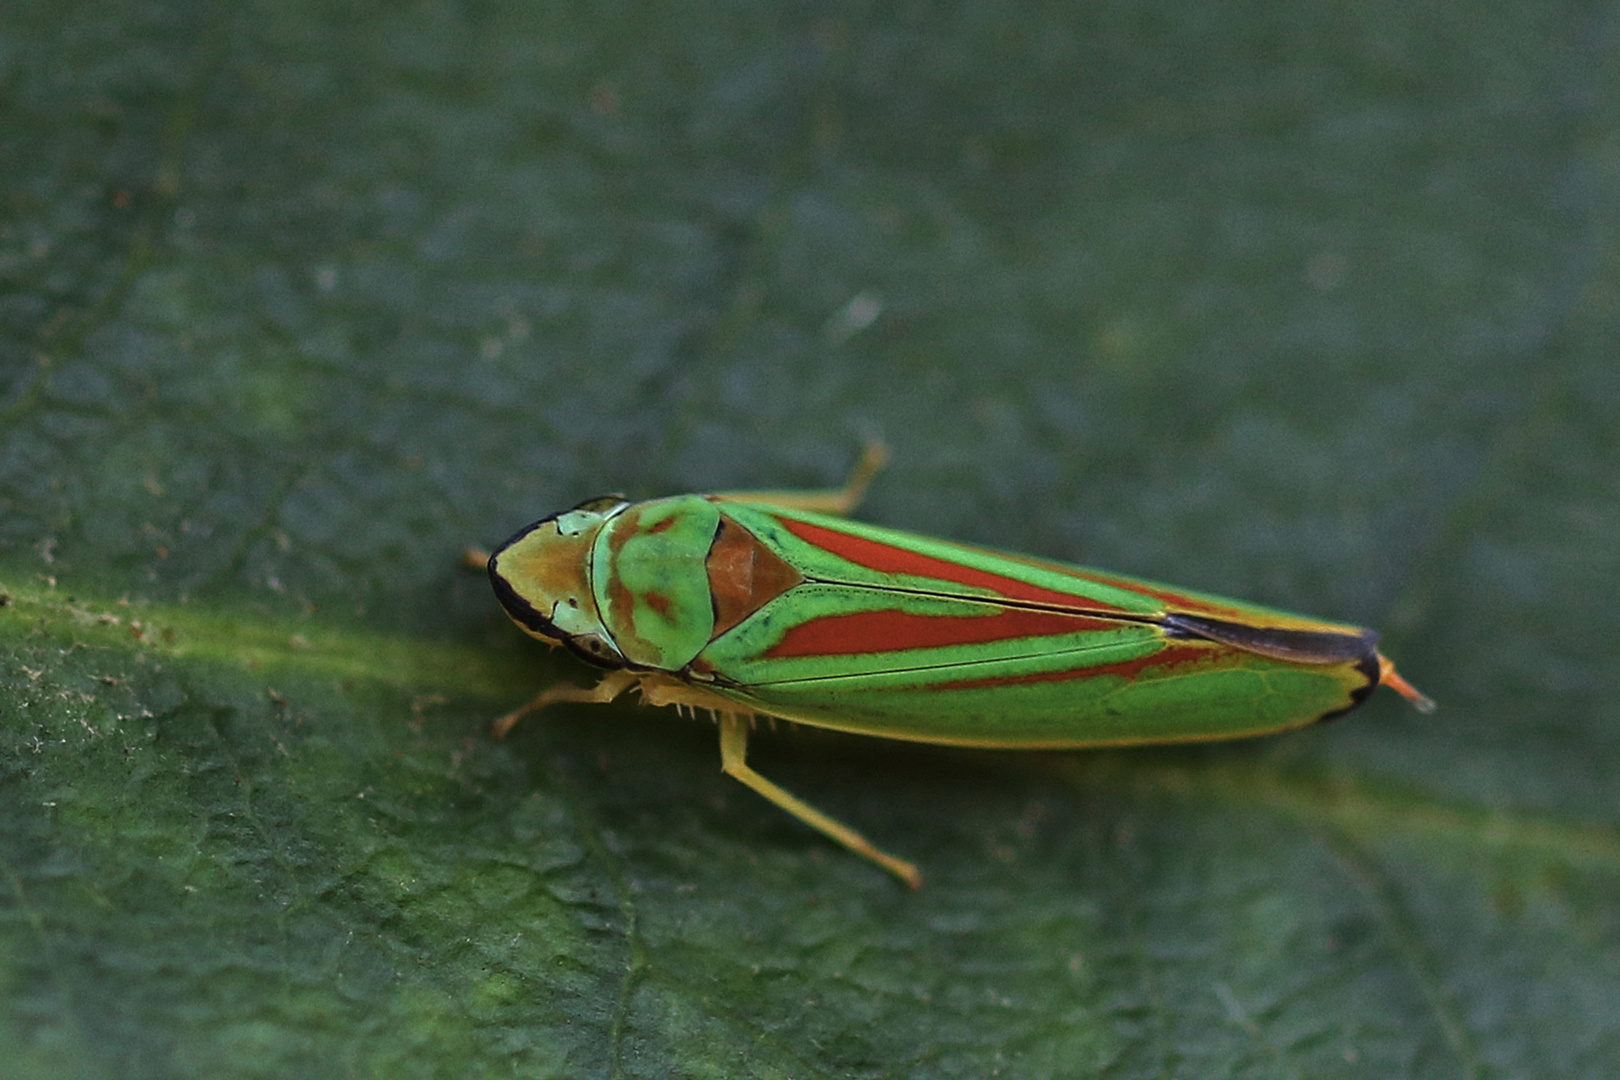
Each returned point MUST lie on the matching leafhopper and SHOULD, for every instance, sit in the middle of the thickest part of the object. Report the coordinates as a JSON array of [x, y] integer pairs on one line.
[[753, 604]]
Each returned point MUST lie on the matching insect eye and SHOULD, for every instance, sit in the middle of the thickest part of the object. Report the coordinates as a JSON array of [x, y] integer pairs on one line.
[[596, 650]]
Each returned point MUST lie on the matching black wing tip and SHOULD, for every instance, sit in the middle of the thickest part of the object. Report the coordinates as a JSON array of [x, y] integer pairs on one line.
[[1300, 646], [1370, 667], [1282, 643]]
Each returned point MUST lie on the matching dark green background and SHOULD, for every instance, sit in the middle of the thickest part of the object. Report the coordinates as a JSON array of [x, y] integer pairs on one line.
[[1316, 305]]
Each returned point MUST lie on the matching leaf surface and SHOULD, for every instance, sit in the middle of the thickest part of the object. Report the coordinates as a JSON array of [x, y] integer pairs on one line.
[[1309, 306]]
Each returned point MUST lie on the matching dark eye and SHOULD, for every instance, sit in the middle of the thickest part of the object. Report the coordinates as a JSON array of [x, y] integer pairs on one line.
[[597, 651]]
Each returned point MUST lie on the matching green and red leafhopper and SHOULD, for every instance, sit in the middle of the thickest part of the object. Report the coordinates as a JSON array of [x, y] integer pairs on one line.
[[774, 604]]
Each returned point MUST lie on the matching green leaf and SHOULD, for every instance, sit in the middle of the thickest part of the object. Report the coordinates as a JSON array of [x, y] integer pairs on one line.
[[1316, 306]]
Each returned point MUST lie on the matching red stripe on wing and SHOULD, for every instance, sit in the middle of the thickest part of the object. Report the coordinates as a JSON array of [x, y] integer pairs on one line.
[[1169, 656], [888, 630], [888, 559], [1172, 600]]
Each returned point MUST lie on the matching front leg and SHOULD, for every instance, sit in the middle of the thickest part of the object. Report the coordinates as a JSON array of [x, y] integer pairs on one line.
[[658, 689], [612, 685]]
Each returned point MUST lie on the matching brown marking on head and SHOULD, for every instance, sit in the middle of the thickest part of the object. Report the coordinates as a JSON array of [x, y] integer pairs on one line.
[[622, 605], [542, 567]]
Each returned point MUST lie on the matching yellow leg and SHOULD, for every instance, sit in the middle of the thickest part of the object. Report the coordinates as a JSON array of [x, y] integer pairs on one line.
[[659, 689], [838, 501], [733, 762], [612, 685]]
